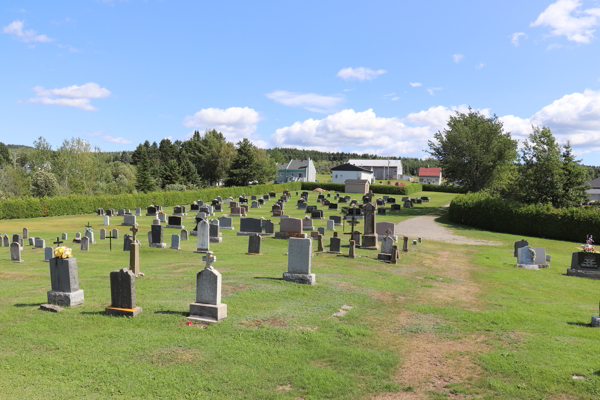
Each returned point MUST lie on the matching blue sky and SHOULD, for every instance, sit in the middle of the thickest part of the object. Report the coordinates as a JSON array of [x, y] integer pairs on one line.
[[378, 77]]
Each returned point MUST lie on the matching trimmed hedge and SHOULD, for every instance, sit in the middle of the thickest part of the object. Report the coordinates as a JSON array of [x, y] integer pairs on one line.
[[379, 189], [32, 207], [529, 220], [443, 188]]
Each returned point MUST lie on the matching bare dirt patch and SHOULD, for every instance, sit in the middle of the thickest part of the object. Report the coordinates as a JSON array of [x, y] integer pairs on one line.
[[261, 323], [284, 388], [426, 227], [229, 289], [173, 356]]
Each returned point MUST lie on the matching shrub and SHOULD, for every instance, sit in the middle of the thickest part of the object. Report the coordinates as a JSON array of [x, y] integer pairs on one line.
[[443, 188], [175, 187], [44, 184], [31, 207], [484, 211]]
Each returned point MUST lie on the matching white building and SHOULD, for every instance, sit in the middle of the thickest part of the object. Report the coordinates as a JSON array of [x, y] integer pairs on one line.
[[432, 176], [341, 173], [594, 192], [382, 169]]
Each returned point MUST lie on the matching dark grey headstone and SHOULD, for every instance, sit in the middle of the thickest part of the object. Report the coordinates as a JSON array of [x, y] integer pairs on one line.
[[174, 220], [157, 233], [64, 276], [250, 225], [122, 289], [254, 244], [519, 244]]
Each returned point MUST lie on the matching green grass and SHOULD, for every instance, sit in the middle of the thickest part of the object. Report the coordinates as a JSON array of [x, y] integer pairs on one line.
[[280, 340]]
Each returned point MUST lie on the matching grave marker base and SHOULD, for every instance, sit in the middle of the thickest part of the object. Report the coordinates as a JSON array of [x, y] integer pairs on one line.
[[175, 226], [287, 235], [583, 274], [68, 299], [125, 312], [159, 245], [252, 233], [207, 313], [595, 322], [51, 308], [532, 267], [308, 279], [213, 239]]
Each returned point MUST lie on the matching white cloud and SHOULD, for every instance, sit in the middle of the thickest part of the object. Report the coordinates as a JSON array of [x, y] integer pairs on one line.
[[395, 98], [480, 65], [361, 73], [309, 101], [432, 91], [235, 122], [516, 37], [83, 104], [108, 138], [17, 28], [89, 90], [389, 94], [566, 18], [457, 58], [71, 96], [415, 84]]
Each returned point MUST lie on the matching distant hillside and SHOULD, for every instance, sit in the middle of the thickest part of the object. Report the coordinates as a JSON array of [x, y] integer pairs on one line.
[[19, 148]]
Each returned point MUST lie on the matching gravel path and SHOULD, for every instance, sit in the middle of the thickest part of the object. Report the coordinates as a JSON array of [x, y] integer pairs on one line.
[[427, 228]]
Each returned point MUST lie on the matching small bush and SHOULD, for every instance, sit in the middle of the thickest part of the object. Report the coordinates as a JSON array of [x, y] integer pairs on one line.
[[443, 188]]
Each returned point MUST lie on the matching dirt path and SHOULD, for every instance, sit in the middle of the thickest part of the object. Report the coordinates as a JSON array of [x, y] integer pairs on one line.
[[427, 228]]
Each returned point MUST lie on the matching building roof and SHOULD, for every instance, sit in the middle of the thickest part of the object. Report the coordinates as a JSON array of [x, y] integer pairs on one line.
[[350, 167], [360, 181], [593, 191], [294, 165], [595, 183], [376, 163], [430, 172]]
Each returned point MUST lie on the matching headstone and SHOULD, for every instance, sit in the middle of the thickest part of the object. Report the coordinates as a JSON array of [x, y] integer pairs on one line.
[[396, 207], [253, 225], [138, 212], [381, 211], [330, 225], [524, 257], [16, 238], [408, 204], [184, 235], [300, 261], [203, 237], [519, 244], [317, 214], [6, 241], [584, 264], [302, 206], [307, 224], [162, 217], [175, 242], [25, 233], [127, 240], [15, 252], [385, 228], [335, 244], [255, 204], [268, 226], [208, 308], [85, 244], [90, 235], [31, 241], [175, 222], [123, 294], [405, 246], [214, 232], [158, 232], [65, 236], [254, 244], [151, 212], [321, 230], [369, 239], [64, 279], [115, 234], [40, 243], [226, 223], [129, 220], [77, 238], [48, 253], [102, 234], [320, 246], [337, 220]]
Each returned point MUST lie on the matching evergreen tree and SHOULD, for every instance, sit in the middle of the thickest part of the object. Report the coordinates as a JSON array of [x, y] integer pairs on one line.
[[125, 157], [245, 165], [144, 182], [171, 173], [189, 175], [4, 154], [575, 177]]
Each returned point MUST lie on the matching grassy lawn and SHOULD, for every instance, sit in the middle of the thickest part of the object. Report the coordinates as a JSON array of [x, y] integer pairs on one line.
[[449, 321]]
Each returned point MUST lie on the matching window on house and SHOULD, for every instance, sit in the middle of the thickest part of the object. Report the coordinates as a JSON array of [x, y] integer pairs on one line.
[[300, 175]]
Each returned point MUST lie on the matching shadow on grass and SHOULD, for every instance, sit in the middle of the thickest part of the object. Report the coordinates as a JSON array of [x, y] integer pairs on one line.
[[27, 305], [93, 313], [580, 324], [167, 312], [268, 277], [416, 211]]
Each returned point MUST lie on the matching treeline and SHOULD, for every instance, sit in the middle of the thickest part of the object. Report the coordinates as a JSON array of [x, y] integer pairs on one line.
[[324, 161]]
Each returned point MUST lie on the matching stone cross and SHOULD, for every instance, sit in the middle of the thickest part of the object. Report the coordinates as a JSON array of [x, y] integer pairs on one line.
[[58, 242], [88, 225], [134, 230], [209, 258]]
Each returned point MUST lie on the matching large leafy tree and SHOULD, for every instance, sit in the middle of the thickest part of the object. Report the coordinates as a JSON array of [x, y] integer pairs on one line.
[[4, 154], [44, 184], [266, 167], [549, 175], [474, 151]]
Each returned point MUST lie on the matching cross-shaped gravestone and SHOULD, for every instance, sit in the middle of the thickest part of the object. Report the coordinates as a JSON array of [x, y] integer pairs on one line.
[[58, 241], [135, 230], [88, 225], [209, 258], [110, 238]]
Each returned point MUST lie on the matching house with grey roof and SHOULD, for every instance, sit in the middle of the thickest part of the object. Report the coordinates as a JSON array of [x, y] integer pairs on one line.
[[594, 192], [296, 171]]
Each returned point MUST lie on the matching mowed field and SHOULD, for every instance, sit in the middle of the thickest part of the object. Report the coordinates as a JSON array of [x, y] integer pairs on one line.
[[448, 321]]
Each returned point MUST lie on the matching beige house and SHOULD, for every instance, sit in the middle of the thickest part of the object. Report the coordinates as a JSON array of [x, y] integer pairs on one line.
[[357, 186], [433, 176]]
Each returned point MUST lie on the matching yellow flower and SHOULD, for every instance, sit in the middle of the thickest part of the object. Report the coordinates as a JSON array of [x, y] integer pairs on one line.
[[63, 252]]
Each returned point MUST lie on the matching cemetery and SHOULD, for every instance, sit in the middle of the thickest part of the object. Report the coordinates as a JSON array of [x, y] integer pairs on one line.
[[287, 301]]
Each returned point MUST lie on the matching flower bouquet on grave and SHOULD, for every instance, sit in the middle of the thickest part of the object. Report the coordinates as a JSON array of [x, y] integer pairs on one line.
[[588, 247], [89, 230], [63, 252]]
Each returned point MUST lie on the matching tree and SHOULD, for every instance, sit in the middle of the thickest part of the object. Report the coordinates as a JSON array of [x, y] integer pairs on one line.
[[171, 173], [245, 165], [548, 175], [189, 175], [4, 154], [144, 182], [44, 184], [474, 150], [125, 157], [266, 166]]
